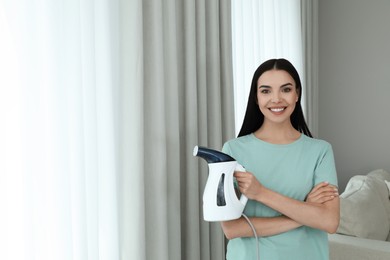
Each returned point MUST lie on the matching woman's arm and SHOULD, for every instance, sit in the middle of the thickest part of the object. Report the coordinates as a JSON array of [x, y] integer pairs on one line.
[[264, 226], [324, 216], [321, 193]]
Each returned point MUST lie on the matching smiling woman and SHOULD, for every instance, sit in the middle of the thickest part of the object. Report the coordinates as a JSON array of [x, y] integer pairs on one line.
[[279, 77], [291, 177]]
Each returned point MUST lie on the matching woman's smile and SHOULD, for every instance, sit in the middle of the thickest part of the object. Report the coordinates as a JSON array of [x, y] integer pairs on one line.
[[277, 110]]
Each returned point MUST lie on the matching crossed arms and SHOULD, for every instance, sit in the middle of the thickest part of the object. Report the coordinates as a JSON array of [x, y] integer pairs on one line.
[[320, 210]]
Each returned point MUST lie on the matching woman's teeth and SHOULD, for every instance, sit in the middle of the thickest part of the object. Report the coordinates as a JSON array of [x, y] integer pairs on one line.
[[279, 109]]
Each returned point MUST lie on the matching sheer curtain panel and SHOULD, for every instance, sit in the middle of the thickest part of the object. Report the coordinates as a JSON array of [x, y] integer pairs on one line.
[[101, 104], [58, 152], [263, 29]]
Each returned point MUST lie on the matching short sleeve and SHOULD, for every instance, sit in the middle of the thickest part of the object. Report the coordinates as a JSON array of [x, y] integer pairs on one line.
[[226, 149], [326, 169]]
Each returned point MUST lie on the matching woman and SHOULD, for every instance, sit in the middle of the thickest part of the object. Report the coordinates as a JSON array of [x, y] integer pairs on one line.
[[291, 177]]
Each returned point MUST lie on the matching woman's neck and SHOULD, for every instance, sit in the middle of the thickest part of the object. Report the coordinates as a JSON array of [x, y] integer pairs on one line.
[[277, 134]]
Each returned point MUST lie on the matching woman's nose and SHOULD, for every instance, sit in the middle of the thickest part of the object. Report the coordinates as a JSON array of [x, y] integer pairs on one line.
[[275, 98]]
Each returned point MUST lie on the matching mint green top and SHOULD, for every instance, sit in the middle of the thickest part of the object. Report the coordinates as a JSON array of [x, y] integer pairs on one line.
[[292, 170]]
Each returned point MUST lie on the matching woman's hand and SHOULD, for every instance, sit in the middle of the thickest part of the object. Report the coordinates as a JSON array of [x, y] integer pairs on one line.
[[322, 193], [248, 184]]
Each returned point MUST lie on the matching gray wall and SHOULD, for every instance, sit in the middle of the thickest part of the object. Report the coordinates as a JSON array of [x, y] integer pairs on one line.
[[354, 84]]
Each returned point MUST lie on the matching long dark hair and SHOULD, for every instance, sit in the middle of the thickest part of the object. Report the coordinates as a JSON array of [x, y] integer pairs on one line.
[[254, 119]]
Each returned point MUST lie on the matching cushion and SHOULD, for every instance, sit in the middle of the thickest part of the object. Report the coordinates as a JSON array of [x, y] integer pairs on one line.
[[365, 208], [388, 187], [380, 174], [353, 248]]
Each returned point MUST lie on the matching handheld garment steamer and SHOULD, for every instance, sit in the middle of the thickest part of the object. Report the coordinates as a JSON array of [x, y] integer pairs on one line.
[[220, 202]]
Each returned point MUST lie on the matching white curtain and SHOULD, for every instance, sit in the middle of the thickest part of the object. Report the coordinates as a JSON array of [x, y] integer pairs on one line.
[[263, 29], [101, 104], [59, 156]]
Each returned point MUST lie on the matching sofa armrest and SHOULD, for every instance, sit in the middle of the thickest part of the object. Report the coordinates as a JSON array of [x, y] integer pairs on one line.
[[343, 247]]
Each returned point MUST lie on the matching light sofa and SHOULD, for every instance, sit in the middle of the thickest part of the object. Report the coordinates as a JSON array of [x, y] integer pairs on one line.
[[364, 230]]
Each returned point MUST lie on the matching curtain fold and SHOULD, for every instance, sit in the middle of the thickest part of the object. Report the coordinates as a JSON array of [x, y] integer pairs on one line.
[[132, 133], [309, 20], [186, 100]]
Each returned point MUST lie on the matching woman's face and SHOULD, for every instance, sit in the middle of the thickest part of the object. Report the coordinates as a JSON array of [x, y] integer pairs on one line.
[[276, 95]]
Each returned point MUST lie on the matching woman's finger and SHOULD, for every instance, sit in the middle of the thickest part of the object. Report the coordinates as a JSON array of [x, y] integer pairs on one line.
[[319, 186]]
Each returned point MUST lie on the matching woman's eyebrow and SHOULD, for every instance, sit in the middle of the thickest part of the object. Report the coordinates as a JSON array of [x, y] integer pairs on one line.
[[285, 85], [282, 86]]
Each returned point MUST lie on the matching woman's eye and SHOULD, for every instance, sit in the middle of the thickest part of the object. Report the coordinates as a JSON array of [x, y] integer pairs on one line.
[[286, 90], [264, 91]]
